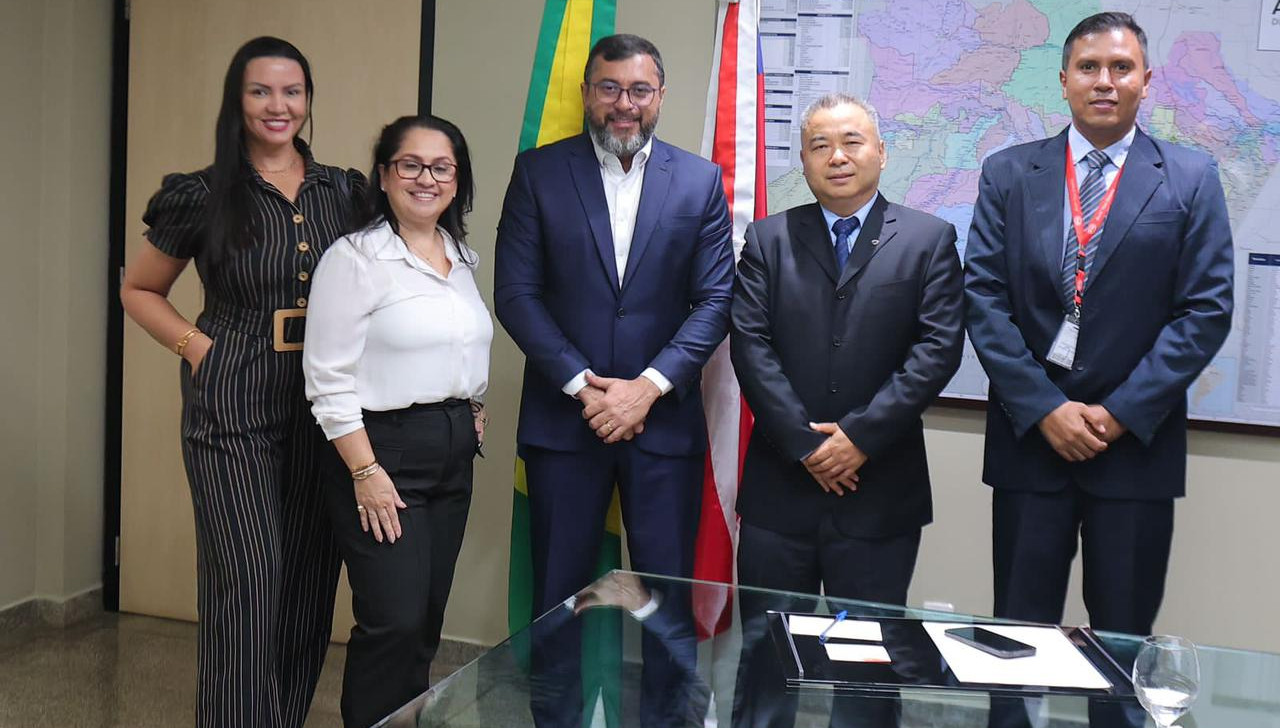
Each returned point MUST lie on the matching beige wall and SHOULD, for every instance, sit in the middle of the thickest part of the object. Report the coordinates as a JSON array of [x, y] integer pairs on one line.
[[56, 80]]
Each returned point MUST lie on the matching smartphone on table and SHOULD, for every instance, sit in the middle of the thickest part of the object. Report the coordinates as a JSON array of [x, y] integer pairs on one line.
[[991, 642]]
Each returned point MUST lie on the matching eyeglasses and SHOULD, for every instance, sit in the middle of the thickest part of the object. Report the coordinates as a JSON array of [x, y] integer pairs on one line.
[[441, 172], [641, 94]]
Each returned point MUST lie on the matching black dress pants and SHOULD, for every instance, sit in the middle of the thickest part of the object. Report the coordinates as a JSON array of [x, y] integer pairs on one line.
[[569, 496], [399, 591], [844, 567], [1125, 546]]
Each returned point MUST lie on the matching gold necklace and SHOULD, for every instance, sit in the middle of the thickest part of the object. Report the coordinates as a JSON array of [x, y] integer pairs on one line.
[[292, 164], [426, 253]]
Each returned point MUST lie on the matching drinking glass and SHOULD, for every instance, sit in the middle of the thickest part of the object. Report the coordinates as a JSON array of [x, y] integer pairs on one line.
[[1166, 677]]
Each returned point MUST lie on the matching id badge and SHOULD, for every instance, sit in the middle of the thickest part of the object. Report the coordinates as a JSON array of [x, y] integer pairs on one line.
[[1063, 351]]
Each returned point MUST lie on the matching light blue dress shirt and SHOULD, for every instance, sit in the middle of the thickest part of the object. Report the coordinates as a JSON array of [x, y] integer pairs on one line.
[[861, 214], [1080, 147]]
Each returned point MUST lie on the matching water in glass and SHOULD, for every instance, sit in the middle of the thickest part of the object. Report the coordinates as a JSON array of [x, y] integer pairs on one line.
[[1166, 677]]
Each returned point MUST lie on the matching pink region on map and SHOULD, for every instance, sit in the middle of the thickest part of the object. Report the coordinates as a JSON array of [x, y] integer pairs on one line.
[[997, 137], [932, 191], [991, 64], [1024, 124], [895, 87], [1017, 24], [898, 92], [1195, 61], [935, 34]]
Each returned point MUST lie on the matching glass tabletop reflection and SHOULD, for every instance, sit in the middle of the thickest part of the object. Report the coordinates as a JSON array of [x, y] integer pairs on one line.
[[639, 650]]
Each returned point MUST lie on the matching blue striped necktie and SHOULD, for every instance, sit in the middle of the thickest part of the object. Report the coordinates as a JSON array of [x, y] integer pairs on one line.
[[843, 228], [1090, 195]]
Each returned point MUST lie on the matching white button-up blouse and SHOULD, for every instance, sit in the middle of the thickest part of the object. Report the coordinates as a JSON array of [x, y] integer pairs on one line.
[[385, 330]]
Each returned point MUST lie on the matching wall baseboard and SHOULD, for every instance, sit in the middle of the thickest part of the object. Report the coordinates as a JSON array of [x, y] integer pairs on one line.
[[57, 613]]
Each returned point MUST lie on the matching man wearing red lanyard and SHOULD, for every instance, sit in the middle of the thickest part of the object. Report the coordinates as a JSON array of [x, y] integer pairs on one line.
[[1098, 285]]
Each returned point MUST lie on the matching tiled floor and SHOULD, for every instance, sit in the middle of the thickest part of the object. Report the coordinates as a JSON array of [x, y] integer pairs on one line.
[[126, 671]]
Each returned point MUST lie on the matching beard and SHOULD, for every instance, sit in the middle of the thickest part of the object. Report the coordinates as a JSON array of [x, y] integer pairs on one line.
[[621, 147]]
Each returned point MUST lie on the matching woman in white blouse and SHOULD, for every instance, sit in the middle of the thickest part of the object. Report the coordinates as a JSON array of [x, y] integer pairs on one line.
[[396, 362]]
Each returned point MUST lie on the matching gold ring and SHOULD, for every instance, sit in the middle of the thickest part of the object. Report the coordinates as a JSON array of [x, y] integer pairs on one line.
[[360, 509]]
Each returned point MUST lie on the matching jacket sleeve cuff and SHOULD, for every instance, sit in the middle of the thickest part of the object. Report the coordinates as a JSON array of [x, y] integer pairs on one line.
[[1132, 420]]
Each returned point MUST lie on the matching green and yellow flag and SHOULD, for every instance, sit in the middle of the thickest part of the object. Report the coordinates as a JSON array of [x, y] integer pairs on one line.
[[553, 112]]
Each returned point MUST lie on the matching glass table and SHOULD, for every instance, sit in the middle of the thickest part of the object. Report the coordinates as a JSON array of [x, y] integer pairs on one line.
[[705, 657]]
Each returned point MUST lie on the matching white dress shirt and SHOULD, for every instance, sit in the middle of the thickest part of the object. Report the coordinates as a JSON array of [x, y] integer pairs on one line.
[[385, 330], [622, 194]]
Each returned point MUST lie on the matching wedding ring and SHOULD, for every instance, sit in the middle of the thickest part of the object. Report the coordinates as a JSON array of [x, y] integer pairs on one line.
[[359, 509]]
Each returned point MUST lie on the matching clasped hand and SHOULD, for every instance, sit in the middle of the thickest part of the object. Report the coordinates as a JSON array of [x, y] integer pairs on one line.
[[1079, 431], [615, 589], [836, 461], [616, 408]]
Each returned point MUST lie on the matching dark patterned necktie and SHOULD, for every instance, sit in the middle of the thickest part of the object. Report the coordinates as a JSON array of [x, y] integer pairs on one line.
[[1090, 195], [844, 229]]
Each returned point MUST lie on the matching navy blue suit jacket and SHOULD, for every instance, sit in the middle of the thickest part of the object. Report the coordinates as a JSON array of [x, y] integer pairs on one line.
[[1157, 307], [556, 289]]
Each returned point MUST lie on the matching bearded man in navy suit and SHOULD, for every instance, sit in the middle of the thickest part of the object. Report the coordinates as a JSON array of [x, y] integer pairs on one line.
[[613, 274]]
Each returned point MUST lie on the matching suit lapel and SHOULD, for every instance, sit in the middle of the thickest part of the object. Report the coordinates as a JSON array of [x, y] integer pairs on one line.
[[1143, 173], [585, 169], [653, 195], [881, 227], [1046, 191], [810, 233]]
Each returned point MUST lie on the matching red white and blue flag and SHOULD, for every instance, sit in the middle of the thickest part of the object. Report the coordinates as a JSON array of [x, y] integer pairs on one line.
[[732, 138]]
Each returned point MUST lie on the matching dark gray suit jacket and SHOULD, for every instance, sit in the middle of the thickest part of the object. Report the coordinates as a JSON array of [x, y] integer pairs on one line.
[[869, 347]]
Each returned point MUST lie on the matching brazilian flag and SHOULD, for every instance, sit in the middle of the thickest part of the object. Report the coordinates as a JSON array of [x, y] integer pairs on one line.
[[553, 112]]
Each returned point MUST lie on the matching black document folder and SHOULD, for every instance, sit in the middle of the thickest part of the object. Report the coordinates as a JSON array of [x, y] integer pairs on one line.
[[915, 661]]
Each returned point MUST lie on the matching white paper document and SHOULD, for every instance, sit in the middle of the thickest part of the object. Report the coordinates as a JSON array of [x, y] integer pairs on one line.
[[1056, 664], [846, 652], [849, 629]]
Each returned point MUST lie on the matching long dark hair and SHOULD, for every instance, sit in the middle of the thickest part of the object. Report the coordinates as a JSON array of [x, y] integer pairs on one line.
[[227, 218], [454, 218]]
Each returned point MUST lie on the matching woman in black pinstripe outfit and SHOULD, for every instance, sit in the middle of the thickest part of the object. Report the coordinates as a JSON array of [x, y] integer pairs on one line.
[[256, 223]]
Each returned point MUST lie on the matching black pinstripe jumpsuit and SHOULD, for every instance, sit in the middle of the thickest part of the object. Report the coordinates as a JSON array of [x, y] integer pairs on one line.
[[266, 562]]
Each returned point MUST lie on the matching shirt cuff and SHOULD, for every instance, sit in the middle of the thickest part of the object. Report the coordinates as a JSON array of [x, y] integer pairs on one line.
[[647, 610], [577, 384], [662, 383]]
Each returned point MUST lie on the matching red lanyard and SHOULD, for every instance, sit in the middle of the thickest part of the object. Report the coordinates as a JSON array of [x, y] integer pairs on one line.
[[1085, 232]]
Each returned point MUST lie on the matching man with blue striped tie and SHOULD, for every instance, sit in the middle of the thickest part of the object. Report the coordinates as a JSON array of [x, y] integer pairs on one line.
[[1098, 285]]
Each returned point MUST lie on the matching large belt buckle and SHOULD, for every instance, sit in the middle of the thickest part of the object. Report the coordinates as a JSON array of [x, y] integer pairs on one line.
[[281, 315]]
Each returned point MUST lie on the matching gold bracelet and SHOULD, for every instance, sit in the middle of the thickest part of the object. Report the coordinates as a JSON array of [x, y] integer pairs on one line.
[[369, 472], [186, 339]]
